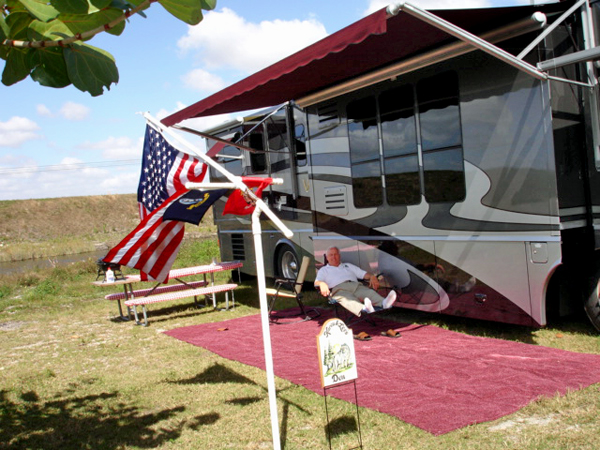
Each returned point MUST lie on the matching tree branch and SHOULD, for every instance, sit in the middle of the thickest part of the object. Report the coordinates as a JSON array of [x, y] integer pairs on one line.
[[78, 36]]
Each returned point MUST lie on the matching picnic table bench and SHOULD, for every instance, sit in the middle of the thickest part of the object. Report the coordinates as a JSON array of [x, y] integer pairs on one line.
[[160, 293], [143, 301]]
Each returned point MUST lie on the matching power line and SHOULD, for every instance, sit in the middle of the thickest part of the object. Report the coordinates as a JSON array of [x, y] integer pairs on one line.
[[66, 167]]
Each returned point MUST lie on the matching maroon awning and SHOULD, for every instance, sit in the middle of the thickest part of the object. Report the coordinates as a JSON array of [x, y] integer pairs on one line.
[[368, 44]]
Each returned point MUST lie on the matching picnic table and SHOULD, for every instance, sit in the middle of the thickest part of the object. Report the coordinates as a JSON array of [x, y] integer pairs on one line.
[[167, 292]]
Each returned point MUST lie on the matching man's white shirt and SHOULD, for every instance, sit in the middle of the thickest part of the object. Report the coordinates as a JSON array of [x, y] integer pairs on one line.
[[333, 276]]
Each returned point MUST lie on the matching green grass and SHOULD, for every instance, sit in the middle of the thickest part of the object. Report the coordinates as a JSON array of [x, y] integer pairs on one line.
[[71, 377]]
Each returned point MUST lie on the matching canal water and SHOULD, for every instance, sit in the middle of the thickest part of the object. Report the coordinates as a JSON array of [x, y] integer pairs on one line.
[[10, 267]]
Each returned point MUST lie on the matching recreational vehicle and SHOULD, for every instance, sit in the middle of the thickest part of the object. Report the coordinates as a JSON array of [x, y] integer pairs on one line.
[[454, 152]]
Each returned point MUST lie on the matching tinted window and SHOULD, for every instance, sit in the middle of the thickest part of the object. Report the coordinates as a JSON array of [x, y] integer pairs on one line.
[[438, 111], [231, 159], [300, 135], [258, 160], [441, 138], [399, 135], [363, 138]]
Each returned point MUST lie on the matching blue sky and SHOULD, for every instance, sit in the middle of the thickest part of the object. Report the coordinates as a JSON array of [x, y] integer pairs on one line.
[[63, 142]]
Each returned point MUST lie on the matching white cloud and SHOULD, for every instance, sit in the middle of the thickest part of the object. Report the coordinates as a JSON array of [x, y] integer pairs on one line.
[[17, 131], [43, 110], [115, 148], [225, 40], [74, 111], [203, 81]]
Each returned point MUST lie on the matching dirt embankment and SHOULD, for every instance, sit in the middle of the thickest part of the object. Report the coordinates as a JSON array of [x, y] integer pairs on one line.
[[39, 220], [59, 226]]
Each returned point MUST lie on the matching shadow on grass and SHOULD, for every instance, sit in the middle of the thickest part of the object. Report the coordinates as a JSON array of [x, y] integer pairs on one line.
[[217, 373], [341, 428], [89, 422]]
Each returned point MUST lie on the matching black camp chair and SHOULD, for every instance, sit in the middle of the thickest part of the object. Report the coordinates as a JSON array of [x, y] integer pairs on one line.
[[291, 288]]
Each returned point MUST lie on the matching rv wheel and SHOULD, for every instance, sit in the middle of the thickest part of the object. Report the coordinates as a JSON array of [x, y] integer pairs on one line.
[[592, 304], [287, 262]]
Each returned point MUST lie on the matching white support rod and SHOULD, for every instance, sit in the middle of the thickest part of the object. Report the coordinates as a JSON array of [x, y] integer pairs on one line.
[[574, 82], [237, 181], [474, 40], [264, 318], [209, 186]]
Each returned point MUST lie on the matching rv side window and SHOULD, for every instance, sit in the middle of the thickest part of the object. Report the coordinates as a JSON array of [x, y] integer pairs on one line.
[[231, 159], [258, 161], [300, 134], [400, 152], [277, 132], [441, 138], [364, 153]]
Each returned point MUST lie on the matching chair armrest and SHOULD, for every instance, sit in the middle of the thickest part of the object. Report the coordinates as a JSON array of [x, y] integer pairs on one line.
[[287, 283]]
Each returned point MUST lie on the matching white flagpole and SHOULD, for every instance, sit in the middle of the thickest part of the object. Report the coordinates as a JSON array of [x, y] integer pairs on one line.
[[264, 318], [260, 268]]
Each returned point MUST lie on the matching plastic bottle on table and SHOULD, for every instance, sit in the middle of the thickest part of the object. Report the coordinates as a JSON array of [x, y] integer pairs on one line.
[[110, 276]]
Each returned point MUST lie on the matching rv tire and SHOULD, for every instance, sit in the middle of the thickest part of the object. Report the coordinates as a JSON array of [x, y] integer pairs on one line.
[[592, 303], [287, 262]]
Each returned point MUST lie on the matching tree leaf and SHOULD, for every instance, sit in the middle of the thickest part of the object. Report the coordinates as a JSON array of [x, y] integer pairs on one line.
[[71, 6], [18, 22], [101, 4], [4, 30], [90, 69], [188, 11], [130, 4], [40, 9], [208, 5], [51, 70], [17, 66], [50, 31], [79, 23]]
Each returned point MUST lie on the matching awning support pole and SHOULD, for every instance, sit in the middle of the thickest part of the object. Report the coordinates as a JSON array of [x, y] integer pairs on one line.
[[550, 29], [470, 38]]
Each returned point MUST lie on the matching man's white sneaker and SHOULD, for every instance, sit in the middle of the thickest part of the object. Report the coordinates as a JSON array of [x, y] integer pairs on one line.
[[368, 305], [389, 300]]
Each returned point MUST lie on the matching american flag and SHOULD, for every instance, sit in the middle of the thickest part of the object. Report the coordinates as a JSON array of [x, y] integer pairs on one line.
[[153, 245], [165, 170]]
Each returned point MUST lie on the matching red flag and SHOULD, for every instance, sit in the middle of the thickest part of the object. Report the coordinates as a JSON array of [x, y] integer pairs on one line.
[[237, 204]]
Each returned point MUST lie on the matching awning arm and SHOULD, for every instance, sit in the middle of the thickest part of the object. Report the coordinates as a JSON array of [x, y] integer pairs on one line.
[[231, 143], [465, 36], [217, 139], [550, 28], [444, 53]]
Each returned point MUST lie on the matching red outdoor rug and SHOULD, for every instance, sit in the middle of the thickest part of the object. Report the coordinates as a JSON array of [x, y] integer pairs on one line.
[[435, 379]]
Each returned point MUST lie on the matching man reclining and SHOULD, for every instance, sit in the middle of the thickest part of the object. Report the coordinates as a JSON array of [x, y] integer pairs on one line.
[[340, 280]]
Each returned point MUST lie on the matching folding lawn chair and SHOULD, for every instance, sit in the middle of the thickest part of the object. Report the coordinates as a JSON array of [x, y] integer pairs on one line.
[[290, 288]]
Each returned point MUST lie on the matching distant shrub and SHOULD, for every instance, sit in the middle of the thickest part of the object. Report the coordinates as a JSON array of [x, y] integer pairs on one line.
[[28, 279], [5, 291], [46, 288]]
